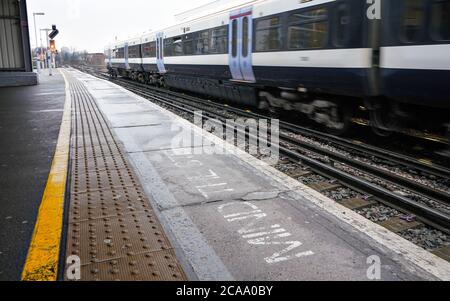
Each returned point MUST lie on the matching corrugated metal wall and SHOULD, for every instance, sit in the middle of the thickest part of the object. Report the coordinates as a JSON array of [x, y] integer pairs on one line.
[[11, 46]]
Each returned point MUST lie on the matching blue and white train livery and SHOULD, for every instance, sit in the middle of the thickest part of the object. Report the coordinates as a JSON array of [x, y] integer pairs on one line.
[[324, 58]]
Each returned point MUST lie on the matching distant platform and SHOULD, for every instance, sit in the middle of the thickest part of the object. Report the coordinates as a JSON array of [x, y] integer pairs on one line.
[[16, 79]]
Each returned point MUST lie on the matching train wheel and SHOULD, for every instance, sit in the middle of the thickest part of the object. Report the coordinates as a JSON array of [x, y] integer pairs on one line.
[[141, 78], [381, 122], [341, 120], [382, 117]]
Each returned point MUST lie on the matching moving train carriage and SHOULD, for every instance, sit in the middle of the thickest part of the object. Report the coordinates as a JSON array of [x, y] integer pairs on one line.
[[126, 58], [282, 48], [195, 55], [265, 54], [119, 58], [415, 62], [322, 49], [319, 57]]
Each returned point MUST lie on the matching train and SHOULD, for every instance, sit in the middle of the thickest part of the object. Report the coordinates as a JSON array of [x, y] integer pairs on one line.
[[329, 60]]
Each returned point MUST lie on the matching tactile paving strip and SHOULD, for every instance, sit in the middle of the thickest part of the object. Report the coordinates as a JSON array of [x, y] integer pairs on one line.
[[112, 227]]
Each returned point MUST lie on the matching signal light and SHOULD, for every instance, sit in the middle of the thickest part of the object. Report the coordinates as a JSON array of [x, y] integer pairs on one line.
[[52, 46], [54, 32]]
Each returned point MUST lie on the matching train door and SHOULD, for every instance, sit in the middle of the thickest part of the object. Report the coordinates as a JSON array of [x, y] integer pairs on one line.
[[127, 63], [241, 45], [160, 52]]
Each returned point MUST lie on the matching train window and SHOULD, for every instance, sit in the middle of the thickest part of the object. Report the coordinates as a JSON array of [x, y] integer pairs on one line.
[[177, 46], [308, 29], [309, 16], [234, 38], [202, 42], [245, 37], [168, 45], [441, 20], [134, 52], [219, 40], [149, 49], [131, 52], [268, 34], [413, 20], [188, 46], [311, 35], [343, 27], [138, 51], [120, 53]]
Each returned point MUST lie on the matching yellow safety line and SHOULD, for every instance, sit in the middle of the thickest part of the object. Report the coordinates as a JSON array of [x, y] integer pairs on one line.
[[43, 253]]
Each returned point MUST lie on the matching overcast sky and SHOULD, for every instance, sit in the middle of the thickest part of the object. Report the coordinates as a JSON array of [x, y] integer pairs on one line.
[[92, 24]]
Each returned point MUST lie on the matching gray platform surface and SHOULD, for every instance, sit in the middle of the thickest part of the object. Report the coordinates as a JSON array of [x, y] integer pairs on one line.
[[30, 119], [232, 220], [17, 79]]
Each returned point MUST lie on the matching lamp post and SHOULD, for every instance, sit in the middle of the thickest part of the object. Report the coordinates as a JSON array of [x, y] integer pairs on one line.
[[38, 59], [49, 59], [42, 49]]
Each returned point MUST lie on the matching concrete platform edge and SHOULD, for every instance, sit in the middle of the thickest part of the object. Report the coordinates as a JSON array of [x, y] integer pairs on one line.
[[404, 252]]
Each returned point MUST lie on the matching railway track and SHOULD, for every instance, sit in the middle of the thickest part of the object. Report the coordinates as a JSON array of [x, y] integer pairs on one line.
[[332, 169]]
